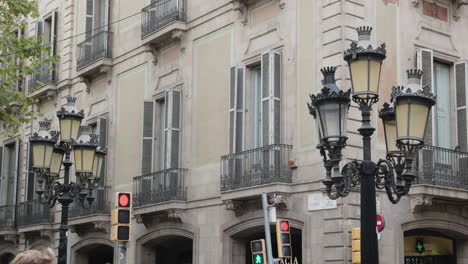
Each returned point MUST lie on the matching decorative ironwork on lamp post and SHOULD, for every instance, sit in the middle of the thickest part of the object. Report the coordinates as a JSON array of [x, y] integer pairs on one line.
[[48, 152], [404, 126]]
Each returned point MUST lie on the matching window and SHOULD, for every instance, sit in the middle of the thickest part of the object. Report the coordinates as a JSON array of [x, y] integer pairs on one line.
[[255, 115], [442, 124], [96, 17], [9, 174], [161, 132], [99, 127]]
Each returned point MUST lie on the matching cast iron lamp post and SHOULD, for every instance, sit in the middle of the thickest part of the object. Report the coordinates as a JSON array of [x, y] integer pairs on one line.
[[404, 126], [48, 150]]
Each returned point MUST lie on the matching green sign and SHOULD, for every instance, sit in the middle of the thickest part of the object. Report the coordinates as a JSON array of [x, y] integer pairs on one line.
[[258, 259]]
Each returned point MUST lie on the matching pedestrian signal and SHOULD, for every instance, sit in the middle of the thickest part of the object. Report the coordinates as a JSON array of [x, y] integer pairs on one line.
[[258, 251]]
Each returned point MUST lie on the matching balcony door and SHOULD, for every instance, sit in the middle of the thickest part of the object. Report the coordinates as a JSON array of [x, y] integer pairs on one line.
[[9, 174], [442, 120]]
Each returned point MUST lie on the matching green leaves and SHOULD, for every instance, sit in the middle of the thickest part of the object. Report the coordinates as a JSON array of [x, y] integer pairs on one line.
[[20, 55]]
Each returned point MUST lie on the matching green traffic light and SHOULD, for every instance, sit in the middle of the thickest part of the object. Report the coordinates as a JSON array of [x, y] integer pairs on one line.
[[258, 259]]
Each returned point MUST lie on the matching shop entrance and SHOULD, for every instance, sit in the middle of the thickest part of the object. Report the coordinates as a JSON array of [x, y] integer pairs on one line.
[[429, 247]]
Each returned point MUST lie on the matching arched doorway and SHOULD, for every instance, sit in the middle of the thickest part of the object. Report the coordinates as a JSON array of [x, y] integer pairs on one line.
[[241, 251], [169, 249], [430, 246], [95, 254], [6, 258]]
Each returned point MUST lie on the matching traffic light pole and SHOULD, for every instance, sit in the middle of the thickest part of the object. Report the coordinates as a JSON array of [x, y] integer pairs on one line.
[[267, 229], [123, 252]]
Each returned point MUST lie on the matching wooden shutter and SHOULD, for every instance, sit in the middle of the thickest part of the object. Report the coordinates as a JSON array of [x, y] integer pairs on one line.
[[39, 29], [147, 144], [271, 97], [236, 109], [172, 127], [2, 176], [53, 34], [461, 73], [16, 171], [102, 130], [425, 59], [30, 183]]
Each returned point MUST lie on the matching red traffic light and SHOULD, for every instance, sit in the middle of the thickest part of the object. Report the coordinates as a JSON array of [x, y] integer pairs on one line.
[[284, 225], [123, 199]]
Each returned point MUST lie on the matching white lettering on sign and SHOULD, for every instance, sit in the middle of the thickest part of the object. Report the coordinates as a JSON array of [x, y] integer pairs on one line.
[[319, 201], [288, 261]]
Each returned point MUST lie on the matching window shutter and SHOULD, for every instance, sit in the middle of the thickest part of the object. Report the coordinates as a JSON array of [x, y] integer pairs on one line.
[[89, 18], [271, 97], [53, 34], [172, 127], [147, 145], [232, 110], [236, 110], [461, 71], [425, 61], [16, 172], [102, 130], [105, 20], [30, 194], [39, 29], [2, 176]]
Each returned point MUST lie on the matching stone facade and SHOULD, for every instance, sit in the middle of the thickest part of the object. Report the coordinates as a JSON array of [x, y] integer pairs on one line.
[[190, 58]]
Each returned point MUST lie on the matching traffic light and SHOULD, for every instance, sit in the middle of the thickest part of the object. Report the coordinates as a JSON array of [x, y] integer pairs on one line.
[[120, 217], [258, 251], [283, 238], [356, 245]]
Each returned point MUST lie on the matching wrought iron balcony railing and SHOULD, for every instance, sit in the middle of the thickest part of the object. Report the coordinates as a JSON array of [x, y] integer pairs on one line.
[[94, 48], [7, 216], [43, 76], [33, 213], [269, 164], [158, 187], [101, 204], [161, 13], [443, 167]]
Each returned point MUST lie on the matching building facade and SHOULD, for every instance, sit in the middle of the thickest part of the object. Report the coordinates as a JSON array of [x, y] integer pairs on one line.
[[202, 107]]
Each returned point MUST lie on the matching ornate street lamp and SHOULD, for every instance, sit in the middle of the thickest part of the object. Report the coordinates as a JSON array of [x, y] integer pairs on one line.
[[48, 158], [403, 127]]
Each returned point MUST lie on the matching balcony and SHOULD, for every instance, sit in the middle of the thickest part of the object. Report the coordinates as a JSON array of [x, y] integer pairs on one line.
[[442, 175], [100, 206], [43, 83], [93, 218], [443, 167], [163, 19], [158, 187], [94, 55], [33, 213], [7, 216]]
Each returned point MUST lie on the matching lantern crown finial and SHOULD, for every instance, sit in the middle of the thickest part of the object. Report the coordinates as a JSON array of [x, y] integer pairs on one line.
[[329, 79], [71, 100], [44, 125], [364, 32], [414, 76]]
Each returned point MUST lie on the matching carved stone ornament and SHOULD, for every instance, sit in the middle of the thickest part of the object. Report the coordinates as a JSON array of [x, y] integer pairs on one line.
[[96, 226], [457, 4], [279, 201], [155, 51], [240, 5], [86, 81], [415, 3], [236, 206], [175, 215], [419, 203], [11, 238], [282, 4]]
